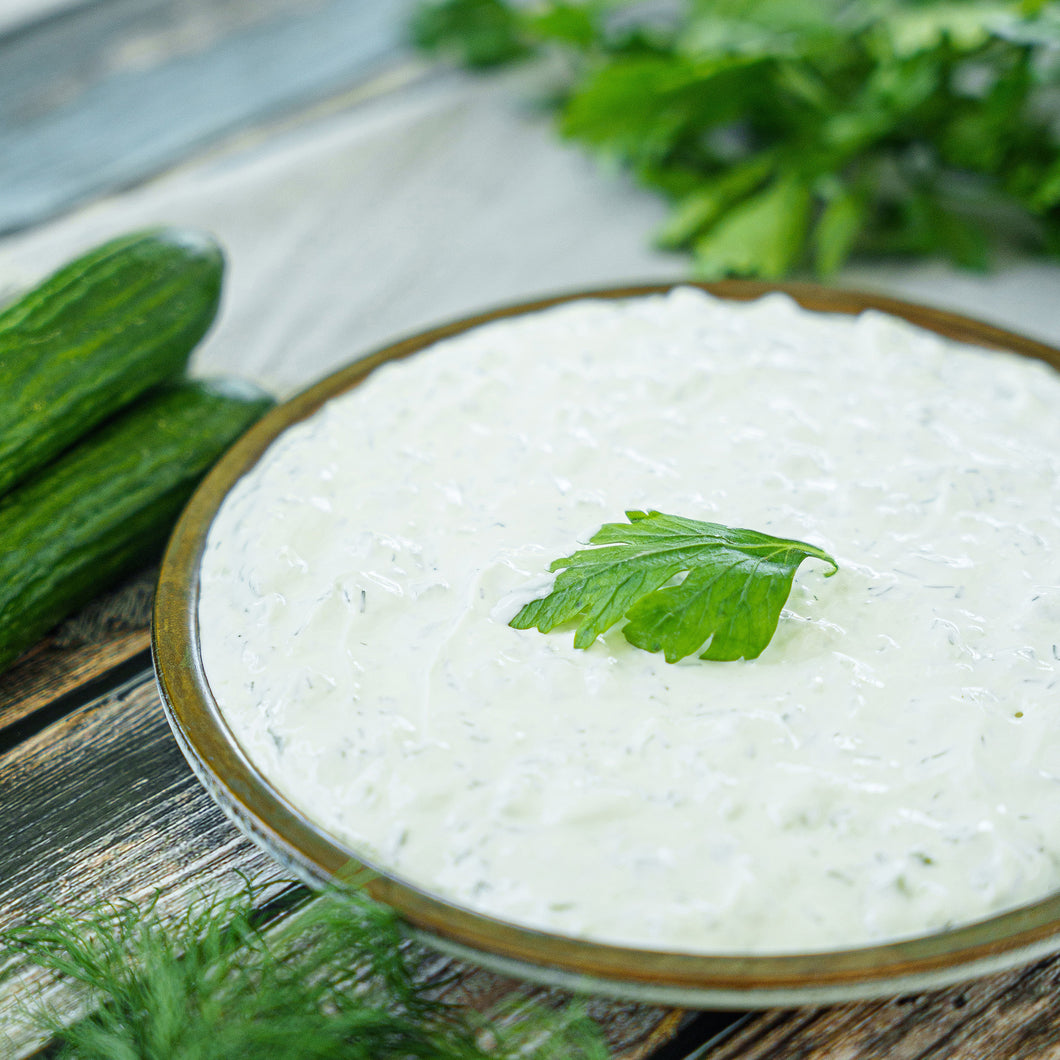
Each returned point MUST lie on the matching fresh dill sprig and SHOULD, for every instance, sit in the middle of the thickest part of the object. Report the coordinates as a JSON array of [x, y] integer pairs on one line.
[[336, 978]]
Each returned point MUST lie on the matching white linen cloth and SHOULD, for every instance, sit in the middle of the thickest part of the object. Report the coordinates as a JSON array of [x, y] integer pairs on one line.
[[423, 197]]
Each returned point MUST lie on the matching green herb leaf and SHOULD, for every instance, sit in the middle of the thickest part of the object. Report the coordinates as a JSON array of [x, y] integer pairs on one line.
[[475, 33], [332, 977], [707, 202], [736, 585], [902, 101], [837, 229], [762, 236]]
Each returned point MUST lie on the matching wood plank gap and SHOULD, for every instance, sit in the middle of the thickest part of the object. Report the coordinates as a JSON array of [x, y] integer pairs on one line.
[[705, 1031], [129, 672]]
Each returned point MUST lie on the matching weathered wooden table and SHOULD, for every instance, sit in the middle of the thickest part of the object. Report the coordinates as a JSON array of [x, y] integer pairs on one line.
[[360, 196]]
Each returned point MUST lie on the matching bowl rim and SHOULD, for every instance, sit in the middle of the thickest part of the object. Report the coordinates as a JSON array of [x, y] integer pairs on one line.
[[660, 976]]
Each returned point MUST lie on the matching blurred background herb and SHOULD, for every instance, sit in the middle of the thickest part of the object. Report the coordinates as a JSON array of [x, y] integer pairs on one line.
[[789, 135]]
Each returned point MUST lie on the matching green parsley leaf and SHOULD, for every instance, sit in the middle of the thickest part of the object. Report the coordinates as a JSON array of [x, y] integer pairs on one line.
[[841, 220], [737, 581], [476, 33], [939, 117], [762, 236]]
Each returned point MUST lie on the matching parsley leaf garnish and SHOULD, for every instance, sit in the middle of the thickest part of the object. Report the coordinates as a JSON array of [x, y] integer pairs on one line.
[[737, 581]]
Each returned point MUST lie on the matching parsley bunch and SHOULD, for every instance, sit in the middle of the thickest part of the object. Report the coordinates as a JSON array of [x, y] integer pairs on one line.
[[790, 134]]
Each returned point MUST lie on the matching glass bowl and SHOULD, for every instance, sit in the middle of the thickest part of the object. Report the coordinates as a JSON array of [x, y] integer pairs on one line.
[[701, 980]]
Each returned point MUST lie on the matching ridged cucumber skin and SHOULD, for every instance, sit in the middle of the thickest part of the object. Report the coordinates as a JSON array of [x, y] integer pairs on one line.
[[106, 506], [97, 334]]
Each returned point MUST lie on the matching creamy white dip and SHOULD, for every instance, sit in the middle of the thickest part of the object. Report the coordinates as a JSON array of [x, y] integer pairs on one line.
[[889, 766]]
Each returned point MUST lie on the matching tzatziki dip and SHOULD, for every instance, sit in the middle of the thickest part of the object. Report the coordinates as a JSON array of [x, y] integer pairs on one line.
[[889, 766]]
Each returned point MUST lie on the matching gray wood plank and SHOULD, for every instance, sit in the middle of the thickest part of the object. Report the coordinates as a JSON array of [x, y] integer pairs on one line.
[[102, 805], [105, 95], [19, 14]]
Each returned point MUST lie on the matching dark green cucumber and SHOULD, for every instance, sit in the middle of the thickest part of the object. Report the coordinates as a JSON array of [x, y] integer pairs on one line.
[[97, 334], [107, 505]]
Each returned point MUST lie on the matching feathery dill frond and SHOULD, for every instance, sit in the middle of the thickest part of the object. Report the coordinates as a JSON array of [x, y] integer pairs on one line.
[[335, 978]]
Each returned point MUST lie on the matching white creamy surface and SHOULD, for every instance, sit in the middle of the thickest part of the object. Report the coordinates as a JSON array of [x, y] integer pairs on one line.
[[888, 766]]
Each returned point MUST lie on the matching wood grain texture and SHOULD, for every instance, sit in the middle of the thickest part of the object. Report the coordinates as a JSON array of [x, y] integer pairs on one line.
[[109, 93], [1012, 1016], [18, 15], [101, 805], [107, 634]]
